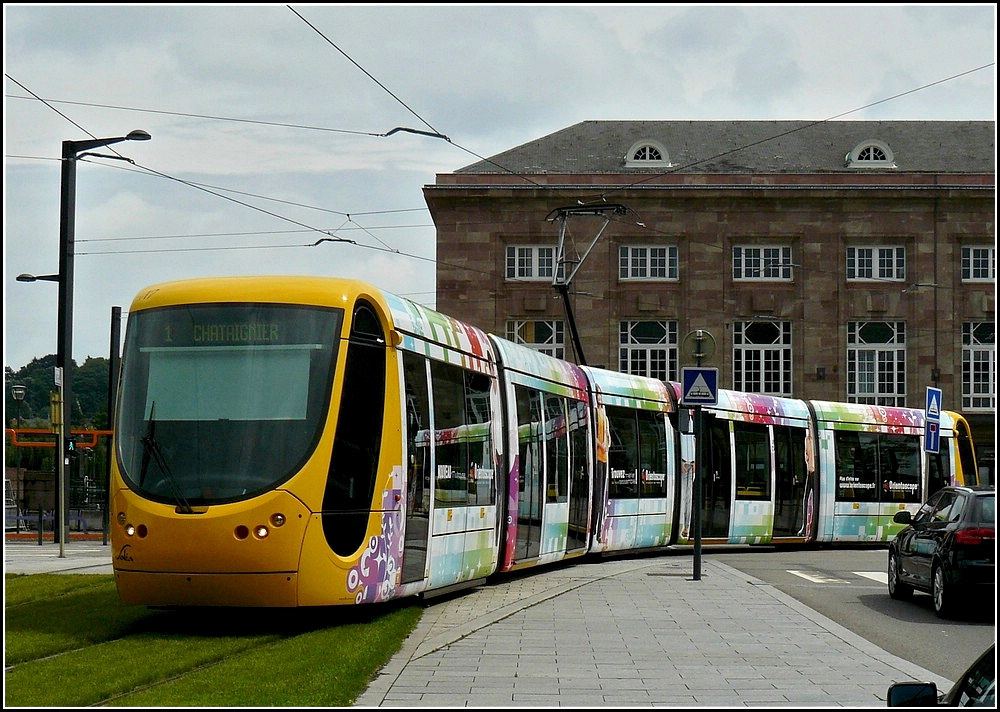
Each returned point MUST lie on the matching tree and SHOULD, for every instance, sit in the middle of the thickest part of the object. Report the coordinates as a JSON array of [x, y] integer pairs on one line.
[[90, 393]]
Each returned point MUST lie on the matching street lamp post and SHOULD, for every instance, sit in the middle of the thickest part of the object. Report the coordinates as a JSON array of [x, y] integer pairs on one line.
[[71, 151], [18, 392]]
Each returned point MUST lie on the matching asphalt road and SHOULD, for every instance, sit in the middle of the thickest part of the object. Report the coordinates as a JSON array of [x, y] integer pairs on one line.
[[848, 586]]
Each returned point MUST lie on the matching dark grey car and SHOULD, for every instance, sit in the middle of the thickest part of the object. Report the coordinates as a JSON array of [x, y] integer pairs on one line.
[[947, 550]]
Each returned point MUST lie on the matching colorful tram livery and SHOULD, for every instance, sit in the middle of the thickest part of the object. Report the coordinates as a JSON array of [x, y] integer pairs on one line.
[[297, 441]]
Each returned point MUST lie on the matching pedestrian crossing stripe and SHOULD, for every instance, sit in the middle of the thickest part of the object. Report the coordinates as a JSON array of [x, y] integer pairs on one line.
[[817, 577]]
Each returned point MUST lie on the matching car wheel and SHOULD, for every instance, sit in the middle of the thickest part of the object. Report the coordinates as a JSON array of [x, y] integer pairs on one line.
[[897, 589], [941, 592]]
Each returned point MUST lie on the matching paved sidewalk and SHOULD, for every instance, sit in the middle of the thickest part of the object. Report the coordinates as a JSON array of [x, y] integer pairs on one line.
[[637, 632], [634, 633], [80, 555]]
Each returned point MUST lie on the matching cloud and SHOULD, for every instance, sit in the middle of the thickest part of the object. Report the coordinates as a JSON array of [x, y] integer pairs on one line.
[[265, 130]]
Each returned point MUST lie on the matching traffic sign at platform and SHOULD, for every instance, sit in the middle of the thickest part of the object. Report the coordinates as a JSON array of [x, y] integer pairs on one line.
[[700, 386]]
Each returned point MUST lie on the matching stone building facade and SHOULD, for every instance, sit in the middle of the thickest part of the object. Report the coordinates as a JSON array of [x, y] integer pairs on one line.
[[846, 261]]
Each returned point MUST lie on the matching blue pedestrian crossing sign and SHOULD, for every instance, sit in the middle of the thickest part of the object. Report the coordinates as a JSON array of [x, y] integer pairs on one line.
[[932, 420], [700, 386]]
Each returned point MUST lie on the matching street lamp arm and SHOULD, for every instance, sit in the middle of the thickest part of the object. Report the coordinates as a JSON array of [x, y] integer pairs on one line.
[[75, 147], [37, 278]]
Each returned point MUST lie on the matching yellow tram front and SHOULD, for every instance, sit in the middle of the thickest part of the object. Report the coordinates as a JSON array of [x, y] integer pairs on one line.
[[250, 467]]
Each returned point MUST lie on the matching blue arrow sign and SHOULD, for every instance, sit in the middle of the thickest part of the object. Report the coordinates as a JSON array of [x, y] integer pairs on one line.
[[932, 436], [700, 386]]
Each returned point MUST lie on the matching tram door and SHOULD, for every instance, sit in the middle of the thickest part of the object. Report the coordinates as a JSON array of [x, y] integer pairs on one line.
[[418, 471], [716, 498], [790, 481], [531, 446]]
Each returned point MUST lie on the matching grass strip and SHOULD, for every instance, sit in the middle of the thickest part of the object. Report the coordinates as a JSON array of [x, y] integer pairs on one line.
[[74, 615], [97, 673], [25, 588], [330, 667], [70, 642]]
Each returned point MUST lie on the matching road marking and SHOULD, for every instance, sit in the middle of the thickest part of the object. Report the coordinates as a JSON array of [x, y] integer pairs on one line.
[[815, 577], [879, 576]]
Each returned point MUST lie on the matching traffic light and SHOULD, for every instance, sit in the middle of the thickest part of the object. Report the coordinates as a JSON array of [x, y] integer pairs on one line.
[[71, 451]]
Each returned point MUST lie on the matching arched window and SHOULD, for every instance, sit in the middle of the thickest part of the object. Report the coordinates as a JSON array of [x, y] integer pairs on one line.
[[647, 154], [870, 154]]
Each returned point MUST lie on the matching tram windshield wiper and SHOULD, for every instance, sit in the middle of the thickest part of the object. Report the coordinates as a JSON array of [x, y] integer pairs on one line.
[[151, 450]]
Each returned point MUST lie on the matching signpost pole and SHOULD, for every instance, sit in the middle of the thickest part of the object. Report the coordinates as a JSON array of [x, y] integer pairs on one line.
[[699, 458]]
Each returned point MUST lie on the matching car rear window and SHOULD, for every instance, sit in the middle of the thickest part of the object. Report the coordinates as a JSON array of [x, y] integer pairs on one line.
[[985, 512]]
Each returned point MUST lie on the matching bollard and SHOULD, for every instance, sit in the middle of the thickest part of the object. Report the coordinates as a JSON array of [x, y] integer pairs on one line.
[[39, 526]]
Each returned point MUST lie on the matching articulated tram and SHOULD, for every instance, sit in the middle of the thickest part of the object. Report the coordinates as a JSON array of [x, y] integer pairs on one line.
[[300, 441]]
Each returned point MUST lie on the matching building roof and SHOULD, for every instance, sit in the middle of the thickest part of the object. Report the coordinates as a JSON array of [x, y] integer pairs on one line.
[[595, 147]]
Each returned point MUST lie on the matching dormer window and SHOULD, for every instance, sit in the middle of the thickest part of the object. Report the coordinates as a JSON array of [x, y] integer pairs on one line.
[[870, 154], [647, 154]]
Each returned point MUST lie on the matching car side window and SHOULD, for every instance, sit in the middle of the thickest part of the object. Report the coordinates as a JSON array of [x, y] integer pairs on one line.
[[945, 505], [927, 509], [957, 508]]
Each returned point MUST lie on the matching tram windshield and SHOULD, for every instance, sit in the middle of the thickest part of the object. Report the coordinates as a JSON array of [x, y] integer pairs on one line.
[[219, 402]]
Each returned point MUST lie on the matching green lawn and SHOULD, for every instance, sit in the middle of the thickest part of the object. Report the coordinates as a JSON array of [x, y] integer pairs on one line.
[[69, 642]]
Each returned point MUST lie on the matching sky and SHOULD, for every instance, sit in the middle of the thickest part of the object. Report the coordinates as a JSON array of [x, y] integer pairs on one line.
[[268, 122]]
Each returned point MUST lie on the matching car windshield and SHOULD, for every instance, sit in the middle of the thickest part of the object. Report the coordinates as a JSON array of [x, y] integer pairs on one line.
[[222, 401]]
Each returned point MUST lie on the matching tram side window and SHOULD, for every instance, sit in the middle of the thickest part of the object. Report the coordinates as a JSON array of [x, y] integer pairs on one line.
[[451, 480], [623, 455], [478, 420], [899, 462], [857, 466], [556, 449], [753, 461], [529, 437], [789, 457], [418, 434], [652, 454], [579, 450]]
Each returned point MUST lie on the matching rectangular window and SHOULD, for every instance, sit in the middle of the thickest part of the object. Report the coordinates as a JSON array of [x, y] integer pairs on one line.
[[874, 467], [761, 264], [876, 362], [462, 429], [649, 263], [548, 337], [530, 262], [556, 449], [753, 461], [652, 454], [874, 263], [648, 348], [623, 454], [762, 357], [979, 366], [979, 264]]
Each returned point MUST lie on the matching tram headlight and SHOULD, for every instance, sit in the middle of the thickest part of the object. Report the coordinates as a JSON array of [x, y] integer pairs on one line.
[[129, 530], [121, 518], [261, 531], [277, 519]]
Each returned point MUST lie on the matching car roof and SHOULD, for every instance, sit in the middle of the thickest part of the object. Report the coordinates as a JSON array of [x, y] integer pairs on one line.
[[974, 489]]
